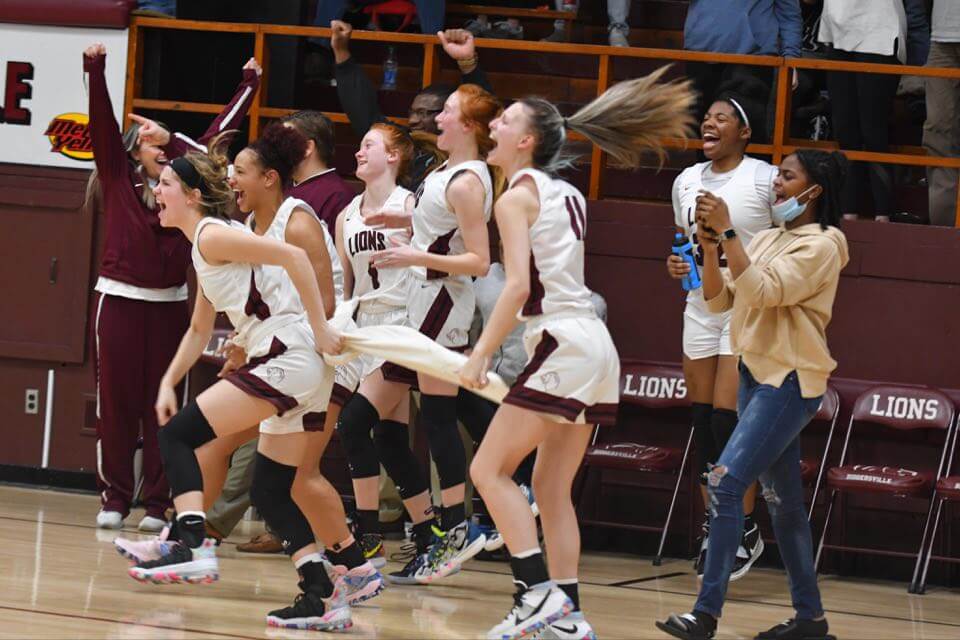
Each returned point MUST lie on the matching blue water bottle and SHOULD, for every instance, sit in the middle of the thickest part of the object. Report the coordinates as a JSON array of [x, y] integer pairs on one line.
[[684, 248]]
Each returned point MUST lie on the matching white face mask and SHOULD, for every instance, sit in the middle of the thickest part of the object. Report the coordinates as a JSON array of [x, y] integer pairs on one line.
[[789, 209]]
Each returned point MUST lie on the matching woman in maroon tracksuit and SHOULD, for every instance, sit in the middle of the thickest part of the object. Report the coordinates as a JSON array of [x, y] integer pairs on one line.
[[141, 309]]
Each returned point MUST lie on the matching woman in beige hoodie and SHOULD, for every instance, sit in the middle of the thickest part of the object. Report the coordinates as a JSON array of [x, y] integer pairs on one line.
[[781, 290]]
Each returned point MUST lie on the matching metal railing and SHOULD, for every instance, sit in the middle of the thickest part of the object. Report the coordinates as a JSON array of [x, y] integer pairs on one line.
[[781, 144]]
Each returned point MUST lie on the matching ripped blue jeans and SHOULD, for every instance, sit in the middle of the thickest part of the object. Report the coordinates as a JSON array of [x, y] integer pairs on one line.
[[765, 445]]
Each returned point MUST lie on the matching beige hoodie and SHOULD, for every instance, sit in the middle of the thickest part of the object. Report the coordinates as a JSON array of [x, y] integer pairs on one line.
[[783, 302]]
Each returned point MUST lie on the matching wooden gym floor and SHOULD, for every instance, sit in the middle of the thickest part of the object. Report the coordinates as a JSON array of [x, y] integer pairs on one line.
[[61, 578]]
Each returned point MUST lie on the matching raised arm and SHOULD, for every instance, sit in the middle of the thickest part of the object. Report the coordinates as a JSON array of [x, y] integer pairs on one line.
[[231, 117], [109, 155], [460, 45], [358, 96], [513, 211], [222, 244]]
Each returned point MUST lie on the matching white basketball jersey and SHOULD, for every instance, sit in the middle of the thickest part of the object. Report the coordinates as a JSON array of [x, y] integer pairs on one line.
[[435, 228], [556, 249], [747, 200], [376, 288], [255, 298], [278, 231]]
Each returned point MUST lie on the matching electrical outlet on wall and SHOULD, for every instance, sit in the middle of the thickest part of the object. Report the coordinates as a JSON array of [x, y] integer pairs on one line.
[[31, 402]]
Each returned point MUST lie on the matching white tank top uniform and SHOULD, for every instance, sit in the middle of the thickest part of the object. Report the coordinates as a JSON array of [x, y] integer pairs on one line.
[[573, 369], [282, 366], [441, 306], [381, 294], [748, 192]]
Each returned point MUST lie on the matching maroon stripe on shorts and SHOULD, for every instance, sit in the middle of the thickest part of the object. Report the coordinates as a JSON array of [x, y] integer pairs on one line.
[[437, 314], [340, 395], [604, 413], [393, 372], [248, 382], [314, 420], [547, 345], [543, 402], [255, 305], [440, 247], [534, 304]]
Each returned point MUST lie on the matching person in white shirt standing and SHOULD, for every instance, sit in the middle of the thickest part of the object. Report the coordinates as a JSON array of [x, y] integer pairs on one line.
[[875, 31], [941, 133], [709, 367]]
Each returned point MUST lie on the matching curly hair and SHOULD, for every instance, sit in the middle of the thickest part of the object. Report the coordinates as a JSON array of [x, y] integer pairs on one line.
[[280, 148]]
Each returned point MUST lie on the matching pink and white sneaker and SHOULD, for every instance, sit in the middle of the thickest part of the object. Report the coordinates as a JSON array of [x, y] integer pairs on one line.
[[180, 564], [138, 551], [358, 584]]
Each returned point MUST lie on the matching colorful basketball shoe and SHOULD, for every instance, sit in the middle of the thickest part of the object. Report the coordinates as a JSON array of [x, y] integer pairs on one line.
[[180, 564]]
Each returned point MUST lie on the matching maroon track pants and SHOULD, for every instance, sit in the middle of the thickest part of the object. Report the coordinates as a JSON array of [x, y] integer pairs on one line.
[[134, 341]]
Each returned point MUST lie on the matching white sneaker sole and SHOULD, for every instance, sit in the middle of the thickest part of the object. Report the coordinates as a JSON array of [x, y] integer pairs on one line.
[[532, 626], [742, 571], [194, 572], [494, 544], [338, 620]]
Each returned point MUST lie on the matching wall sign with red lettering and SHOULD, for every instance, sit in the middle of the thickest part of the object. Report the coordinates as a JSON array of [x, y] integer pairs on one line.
[[43, 98]]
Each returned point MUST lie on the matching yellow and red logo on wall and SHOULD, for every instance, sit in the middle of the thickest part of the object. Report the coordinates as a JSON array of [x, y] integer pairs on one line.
[[69, 134]]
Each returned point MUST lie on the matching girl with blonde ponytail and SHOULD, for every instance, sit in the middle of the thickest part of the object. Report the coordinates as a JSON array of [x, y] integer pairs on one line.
[[571, 381]]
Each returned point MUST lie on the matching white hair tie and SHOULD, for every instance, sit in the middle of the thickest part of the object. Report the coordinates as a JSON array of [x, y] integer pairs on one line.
[[743, 114]]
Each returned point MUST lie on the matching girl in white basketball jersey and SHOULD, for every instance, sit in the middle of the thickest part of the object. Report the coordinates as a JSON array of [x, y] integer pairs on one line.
[[571, 381], [269, 290], [449, 247], [374, 402], [709, 366]]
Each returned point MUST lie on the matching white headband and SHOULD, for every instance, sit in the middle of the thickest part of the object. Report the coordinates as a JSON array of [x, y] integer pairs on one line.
[[743, 114]]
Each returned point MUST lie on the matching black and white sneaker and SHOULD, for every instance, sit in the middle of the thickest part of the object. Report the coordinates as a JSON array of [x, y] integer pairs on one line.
[[751, 546], [533, 610], [794, 629], [689, 626], [309, 611]]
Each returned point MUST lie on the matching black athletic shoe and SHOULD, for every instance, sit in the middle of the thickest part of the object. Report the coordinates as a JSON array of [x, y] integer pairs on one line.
[[751, 546], [310, 611], [689, 626], [794, 629], [372, 546]]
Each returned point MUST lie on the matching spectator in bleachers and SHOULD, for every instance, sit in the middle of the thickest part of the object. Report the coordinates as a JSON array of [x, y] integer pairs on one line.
[[431, 13], [358, 96], [877, 31], [754, 27], [617, 11], [509, 29], [941, 133]]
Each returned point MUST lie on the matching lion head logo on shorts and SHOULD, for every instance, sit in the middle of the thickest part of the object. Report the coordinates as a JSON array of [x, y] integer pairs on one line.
[[550, 380], [275, 374], [455, 335]]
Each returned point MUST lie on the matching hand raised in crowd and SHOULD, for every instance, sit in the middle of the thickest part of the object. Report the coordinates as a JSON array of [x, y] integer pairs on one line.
[[94, 50], [253, 64], [150, 131], [458, 43], [677, 267], [712, 214], [340, 40]]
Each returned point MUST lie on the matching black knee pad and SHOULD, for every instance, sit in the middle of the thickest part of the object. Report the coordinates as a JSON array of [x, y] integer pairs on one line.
[[706, 448], [475, 413], [356, 421], [270, 494], [438, 414], [722, 424], [186, 431], [392, 441]]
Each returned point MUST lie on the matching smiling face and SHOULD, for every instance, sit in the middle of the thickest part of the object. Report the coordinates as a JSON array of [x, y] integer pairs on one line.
[[793, 181], [722, 132], [249, 181], [373, 158], [174, 204], [511, 133], [152, 158], [423, 113]]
